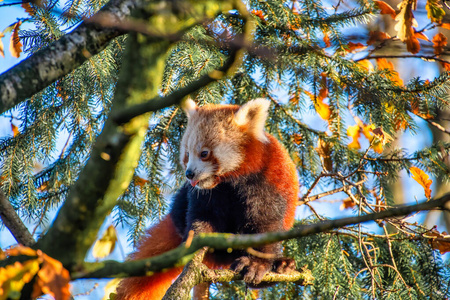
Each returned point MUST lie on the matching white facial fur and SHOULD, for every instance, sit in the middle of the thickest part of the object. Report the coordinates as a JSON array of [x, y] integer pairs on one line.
[[219, 129]]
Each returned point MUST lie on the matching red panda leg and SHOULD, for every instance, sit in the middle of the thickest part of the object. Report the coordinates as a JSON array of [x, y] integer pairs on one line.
[[160, 238]]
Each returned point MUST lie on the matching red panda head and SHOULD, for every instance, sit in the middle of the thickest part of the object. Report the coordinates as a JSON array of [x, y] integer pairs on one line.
[[214, 143]]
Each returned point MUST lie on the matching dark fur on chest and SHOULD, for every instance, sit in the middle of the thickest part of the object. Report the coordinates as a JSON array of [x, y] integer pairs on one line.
[[249, 205]]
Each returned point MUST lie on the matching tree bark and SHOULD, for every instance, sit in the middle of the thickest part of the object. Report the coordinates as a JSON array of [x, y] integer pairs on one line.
[[61, 57]]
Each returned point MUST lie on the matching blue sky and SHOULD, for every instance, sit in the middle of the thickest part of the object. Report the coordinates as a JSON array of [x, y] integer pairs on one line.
[[411, 68]]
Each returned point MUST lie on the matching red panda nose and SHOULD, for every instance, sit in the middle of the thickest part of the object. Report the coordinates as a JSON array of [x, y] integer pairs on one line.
[[190, 174]]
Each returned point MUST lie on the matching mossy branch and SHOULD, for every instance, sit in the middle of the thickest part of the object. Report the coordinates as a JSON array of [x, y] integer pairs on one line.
[[180, 255]]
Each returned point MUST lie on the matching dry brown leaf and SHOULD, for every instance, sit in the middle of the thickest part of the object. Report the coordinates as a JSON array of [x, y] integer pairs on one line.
[[385, 9], [52, 279], [423, 179], [324, 151], [440, 242], [139, 181], [405, 23], [377, 36], [15, 46], [353, 47], [439, 43], [347, 203], [29, 10]]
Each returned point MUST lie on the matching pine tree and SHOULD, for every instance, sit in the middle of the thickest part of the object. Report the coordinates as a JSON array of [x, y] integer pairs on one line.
[[96, 128]]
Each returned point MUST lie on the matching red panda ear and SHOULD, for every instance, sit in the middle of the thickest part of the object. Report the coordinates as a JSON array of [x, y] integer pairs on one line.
[[189, 107], [253, 114]]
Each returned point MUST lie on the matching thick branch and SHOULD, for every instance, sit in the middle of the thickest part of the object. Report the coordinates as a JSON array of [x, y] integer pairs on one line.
[[13, 222], [226, 241], [196, 272], [60, 58]]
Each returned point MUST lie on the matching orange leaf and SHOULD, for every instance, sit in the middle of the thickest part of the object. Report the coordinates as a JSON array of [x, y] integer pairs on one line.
[[139, 181], [385, 8], [352, 47], [297, 138], [15, 46], [439, 43], [445, 25], [423, 179], [326, 39], [52, 279], [445, 65], [384, 64], [377, 36], [2, 51], [347, 203], [14, 129], [421, 35], [259, 14]]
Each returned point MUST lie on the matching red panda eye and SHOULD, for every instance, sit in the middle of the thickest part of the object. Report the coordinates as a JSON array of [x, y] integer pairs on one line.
[[204, 154]]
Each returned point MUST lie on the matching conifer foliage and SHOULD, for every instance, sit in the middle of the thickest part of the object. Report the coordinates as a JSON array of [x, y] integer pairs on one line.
[[104, 139]]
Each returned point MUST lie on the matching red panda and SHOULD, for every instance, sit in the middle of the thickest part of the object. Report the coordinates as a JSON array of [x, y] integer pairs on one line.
[[240, 180]]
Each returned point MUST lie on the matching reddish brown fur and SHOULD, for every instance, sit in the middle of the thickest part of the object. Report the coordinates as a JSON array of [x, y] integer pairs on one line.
[[273, 159], [160, 238]]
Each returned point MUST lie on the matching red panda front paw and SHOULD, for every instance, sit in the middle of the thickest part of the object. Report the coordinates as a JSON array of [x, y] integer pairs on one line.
[[284, 265], [253, 269]]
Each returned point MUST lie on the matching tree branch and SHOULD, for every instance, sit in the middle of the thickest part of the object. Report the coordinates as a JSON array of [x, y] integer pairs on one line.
[[61, 57], [13, 222], [177, 256]]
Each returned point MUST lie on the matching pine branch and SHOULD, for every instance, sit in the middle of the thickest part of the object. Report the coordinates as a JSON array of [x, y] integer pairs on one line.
[[13, 222], [60, 58]]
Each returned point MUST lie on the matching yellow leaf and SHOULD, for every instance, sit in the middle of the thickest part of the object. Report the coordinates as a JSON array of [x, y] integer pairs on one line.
[[14, 277], [354, 133], [423, 179], [321, 107], [2, 51], [15, 46], [106, 244], [366, 64]]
